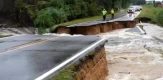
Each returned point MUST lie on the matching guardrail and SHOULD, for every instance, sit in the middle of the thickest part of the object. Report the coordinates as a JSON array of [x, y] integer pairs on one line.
[[71, 60]]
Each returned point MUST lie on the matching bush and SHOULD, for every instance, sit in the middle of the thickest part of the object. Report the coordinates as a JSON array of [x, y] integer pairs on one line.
[[44, 19], [160, 18], [48, 17]]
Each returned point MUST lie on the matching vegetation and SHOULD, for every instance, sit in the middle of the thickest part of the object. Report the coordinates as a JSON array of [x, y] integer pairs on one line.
[[76, 21], [66, 74], [46, 13], [154, 13], [69, 73], [160, 18], [138, 2]]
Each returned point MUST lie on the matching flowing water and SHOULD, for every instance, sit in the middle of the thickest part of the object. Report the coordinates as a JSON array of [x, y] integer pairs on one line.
[[134, 56]]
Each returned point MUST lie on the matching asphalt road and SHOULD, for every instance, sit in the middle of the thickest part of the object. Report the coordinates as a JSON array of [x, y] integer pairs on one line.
[[118, 15], [121, 16], [30, 62]]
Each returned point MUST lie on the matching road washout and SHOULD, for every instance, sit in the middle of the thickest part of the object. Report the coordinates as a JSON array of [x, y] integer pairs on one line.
[[134, 56]]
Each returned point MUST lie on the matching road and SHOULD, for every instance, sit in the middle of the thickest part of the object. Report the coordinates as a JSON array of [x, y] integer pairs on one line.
[[126, 17], [118, 15], [31, 56], [122, 16], [121, 13], [27, 62]]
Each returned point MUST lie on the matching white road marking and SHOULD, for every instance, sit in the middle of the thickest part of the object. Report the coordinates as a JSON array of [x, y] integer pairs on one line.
[[39, 41]]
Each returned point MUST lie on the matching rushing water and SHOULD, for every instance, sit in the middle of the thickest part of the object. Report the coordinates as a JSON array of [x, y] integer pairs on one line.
[[133, 55]]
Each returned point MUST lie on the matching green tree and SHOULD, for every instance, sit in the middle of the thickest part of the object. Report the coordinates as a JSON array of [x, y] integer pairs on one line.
[[48, 17], [46, 13]]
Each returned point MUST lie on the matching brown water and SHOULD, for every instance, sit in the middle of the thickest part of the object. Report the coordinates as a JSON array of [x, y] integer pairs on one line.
[[133, 56]]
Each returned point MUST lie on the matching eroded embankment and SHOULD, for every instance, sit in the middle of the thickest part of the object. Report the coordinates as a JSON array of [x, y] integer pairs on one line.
[[93, 67]]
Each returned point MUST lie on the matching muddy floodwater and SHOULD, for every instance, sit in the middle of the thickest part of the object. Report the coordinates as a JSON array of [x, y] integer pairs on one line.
[[134, 56]]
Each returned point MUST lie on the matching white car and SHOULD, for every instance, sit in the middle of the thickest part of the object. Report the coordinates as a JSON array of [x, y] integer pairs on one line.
[[131, 10], [137, 7]]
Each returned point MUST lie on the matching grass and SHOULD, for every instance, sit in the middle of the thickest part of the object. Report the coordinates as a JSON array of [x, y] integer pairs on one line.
[[77, 21], [81, 20], [151, 12], [66, 74], [69, 73]]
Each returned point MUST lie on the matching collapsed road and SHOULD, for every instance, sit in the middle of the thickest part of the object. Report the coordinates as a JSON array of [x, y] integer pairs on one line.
[[40, 57], [26, 58]]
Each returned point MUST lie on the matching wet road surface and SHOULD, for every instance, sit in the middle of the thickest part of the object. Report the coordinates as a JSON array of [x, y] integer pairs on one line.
[[12, 42], [30, 62], [119, 17], [91, 23]]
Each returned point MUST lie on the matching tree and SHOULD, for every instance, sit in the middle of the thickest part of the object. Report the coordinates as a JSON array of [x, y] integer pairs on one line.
[[45, 13], [138, 2], [48, 17]]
